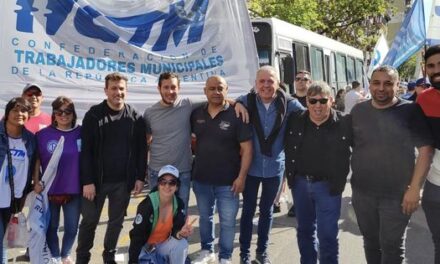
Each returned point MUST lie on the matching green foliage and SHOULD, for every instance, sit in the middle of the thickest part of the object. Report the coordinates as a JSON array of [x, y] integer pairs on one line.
[[356, 23], [407, 69]]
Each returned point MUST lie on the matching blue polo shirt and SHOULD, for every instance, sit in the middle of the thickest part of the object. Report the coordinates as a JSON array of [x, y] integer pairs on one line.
[[217, 154], [262, 165]]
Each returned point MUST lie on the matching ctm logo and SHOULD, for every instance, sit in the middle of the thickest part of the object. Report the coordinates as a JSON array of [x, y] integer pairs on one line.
[[175, 23]]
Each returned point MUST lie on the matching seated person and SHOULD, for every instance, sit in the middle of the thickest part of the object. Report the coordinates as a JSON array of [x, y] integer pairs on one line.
[[160, 222]]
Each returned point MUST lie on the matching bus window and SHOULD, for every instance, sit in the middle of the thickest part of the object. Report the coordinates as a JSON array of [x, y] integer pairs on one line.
[[350, 69], [359, 66], [327, 69], [333, 82], [341, 75], [317, 64], [286, 70], [301, 56], [263, 39], [264, 57]]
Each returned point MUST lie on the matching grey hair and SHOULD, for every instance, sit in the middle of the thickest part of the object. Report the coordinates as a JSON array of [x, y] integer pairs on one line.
[[319, 87], [268, 68]]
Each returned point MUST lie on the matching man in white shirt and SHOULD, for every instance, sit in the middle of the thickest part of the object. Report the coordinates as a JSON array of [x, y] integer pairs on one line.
[[353, 97]]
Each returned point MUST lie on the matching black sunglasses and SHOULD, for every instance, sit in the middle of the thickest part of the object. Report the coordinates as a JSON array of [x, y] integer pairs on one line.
[[163, 182], [60, 112], [321, 101], [301, 79], [32, 93]]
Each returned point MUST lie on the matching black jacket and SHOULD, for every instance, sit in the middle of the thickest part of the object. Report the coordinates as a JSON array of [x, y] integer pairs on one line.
[[146, 219], [91, 165], [339, 138]]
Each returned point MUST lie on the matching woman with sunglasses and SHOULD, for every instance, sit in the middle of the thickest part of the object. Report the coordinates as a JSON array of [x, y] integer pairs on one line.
[[65, 189], [160, 225], [17, 156]]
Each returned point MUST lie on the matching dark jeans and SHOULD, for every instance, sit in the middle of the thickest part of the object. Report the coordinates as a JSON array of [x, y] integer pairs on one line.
[[383, 227], [268, 194], [317, 213], [432, 213], [5, 215], [118, 198]]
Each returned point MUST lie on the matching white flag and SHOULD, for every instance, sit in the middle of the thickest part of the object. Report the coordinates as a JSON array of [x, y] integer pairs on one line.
[[39, 214], [380, 51]]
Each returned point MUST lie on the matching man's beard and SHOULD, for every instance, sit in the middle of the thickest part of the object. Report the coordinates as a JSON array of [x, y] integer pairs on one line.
[[435, 84]]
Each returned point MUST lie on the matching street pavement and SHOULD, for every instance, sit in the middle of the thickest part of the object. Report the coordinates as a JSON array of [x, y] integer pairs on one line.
[[283, 246]]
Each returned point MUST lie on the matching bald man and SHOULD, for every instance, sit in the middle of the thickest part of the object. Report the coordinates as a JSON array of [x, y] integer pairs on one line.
[[219, 171]]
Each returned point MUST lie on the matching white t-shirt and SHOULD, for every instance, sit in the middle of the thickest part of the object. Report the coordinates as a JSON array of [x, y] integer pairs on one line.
[[20, 165], [434, 172], [351, 99]]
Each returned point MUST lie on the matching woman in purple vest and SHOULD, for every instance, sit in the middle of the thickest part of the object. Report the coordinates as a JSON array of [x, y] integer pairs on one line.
[[65, 189]]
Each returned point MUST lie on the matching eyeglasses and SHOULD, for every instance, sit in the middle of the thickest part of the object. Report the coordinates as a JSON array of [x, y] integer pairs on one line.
[[163, 182], [32, 93], [321, 101], [60, 112], [302, 79]]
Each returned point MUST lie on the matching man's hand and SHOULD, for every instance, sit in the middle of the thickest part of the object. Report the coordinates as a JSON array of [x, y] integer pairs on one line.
[[238, 185], [411, 200], [138, 186], [89, 191], [240, 110]]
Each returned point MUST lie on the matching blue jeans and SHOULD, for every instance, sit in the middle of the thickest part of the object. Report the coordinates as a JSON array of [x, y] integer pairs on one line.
[[383, 227], [208, 198], [317, 213], [268, 194], [174, 250], [185, 184], [71, 211]]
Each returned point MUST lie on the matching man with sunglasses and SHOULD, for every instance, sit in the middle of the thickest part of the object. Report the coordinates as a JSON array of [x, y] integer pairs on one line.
[[223, 155], [353, 96], [386, 182], [37, 118], [317, 147], [303, 80]]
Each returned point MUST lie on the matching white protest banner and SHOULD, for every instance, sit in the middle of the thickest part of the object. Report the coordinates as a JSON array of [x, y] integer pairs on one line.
[[69, 46]]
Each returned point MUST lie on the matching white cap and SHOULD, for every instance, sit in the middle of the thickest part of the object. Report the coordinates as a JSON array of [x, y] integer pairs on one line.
[[169, 169], [31, 86]]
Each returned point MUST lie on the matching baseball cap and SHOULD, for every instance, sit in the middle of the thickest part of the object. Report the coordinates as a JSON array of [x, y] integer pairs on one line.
[[421, 82], [169, 169], [31, 86], [411, 86]]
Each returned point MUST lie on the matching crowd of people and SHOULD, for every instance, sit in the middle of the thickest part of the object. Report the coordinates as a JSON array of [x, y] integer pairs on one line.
[[264, 139]]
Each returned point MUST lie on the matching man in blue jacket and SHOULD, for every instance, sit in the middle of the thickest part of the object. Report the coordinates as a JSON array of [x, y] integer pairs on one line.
[[268, 108]]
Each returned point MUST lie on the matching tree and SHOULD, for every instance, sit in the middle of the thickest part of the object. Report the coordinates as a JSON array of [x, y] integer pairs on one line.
[[356, 23], [407, 69]]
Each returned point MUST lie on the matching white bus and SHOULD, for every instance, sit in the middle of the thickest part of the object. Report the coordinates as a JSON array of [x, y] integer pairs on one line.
[[290, 48]]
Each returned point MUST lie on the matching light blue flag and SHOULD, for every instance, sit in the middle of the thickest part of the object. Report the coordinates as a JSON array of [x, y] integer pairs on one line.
[[410, 38]]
